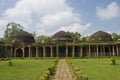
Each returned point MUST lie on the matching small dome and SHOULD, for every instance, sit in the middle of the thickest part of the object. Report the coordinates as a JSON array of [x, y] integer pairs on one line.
[[61, 36], [101, 36], [24, 37]]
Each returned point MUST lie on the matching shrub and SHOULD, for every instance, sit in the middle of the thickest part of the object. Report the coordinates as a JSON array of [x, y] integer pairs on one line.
[[113, 61], [10, 63]]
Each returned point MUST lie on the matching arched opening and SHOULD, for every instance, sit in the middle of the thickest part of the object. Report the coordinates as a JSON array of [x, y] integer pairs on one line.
[[33, 54], [47, 51], [19, 53], [62, 51], [54, 52], [26, 52], [41, 51], [77, 51], [69, 51]]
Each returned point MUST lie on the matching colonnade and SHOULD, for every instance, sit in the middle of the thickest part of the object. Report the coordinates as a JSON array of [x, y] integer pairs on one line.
[[58, 50]]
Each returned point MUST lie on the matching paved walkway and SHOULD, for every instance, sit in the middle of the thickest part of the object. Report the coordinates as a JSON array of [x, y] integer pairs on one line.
[[63, 71]]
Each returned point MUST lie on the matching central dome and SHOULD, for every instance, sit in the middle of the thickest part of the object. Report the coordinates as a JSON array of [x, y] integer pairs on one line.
[[61, 36], [24, 37], [101, 36]]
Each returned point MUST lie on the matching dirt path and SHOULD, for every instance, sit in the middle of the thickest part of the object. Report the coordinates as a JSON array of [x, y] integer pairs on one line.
[[63, 71]]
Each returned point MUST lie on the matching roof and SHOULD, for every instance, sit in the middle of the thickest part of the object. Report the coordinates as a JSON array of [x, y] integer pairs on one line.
[[24, 37], [61, 36], [101, 36]]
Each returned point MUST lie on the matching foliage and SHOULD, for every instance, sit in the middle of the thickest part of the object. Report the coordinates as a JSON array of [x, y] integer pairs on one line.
[[86, 38], [10, 63], [48, 75], [43, 39], [115, 36], [75, 36], [11, 29], [113, 61]]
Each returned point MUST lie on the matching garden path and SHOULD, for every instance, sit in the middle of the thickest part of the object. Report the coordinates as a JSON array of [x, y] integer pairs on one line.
[[63, 71]]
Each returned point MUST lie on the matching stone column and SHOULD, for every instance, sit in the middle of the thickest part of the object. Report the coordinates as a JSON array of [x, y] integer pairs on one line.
[[113, 50], [29, 51], [109, 51], [23, 52], [81, 51], [73, 51], [103, 51], [44, 54], [66, 51], [36, 51], [15, 53], [51, 53], [89, 51], [57, 51], [117, 50], [97, 51], [11, 52]]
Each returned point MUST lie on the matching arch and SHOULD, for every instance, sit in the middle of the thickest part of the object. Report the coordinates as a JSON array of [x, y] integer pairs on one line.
[[19, 52], [26, 51], [62, 51]]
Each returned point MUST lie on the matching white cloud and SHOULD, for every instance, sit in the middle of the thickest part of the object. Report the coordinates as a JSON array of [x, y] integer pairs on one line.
[[111, 11], [75, 27], [44, 16]]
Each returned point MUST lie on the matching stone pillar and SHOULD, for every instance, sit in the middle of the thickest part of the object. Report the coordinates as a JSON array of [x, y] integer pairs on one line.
[[89, 51], [23, 52], [51, 53], [66, 51], [81, 51], [11, 52], [57, 51], [15, 53], [103, 51], [109, 51], [117, 50], [113, 50], [37, 52], [73, 51], [29, 51], [97, 51], [44, 54]]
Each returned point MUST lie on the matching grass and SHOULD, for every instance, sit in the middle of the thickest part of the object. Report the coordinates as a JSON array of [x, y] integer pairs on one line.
[[24, 69], [98, 69]]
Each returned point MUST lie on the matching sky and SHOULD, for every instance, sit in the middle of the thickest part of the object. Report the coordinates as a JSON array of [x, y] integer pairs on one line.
[[46, 17]]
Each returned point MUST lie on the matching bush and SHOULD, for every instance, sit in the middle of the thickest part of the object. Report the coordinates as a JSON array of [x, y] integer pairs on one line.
[[50, 71], [113, 61], [10, 63]]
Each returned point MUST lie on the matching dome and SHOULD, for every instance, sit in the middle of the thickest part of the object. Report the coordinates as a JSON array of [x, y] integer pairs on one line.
[[101, 36], [61, 36], [24, 37]]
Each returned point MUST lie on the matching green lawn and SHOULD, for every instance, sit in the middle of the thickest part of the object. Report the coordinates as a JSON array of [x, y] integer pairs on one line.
[[24, 69], [98, 69]]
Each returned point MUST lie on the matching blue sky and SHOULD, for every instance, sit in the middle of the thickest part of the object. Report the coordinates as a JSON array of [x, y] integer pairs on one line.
[[46, 17]]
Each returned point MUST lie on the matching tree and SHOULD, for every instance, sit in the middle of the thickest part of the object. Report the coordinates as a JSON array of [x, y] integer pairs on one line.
[[11, 30], [75, 36], [86, 38], [43, 39], [115, 36]]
